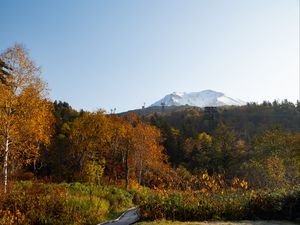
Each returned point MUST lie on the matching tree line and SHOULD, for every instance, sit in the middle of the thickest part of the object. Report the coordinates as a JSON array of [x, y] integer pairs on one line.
[[186, 149], [257, 142]]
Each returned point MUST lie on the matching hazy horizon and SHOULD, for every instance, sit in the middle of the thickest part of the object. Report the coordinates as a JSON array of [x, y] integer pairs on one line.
[[120, 54]]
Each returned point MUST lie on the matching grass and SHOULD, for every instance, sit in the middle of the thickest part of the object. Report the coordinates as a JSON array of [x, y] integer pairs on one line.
[[233, 205], [76, 204], [57, 204]]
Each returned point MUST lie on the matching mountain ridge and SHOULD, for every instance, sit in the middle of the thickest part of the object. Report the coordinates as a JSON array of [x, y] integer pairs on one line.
[[201, 99]]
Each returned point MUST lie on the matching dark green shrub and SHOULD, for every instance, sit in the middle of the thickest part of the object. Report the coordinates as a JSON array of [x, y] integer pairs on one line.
[[231, 205], [279, 204]]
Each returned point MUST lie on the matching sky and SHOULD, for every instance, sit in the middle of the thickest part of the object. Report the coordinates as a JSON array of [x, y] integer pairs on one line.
[[99, 54]]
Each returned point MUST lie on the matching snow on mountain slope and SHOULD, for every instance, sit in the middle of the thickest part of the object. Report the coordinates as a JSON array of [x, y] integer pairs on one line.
[[200, 99]]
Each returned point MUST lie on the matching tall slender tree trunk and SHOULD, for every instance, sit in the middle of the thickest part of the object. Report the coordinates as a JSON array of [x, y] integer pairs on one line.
[[5, 167], [34, 166], [126, 171], [141, 172]]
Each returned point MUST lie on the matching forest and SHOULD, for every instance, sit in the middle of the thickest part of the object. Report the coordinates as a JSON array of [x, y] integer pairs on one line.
[[60, 165]]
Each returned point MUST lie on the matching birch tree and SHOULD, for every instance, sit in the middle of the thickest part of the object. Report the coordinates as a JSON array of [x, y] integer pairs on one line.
[[148, 151], [25, 112]]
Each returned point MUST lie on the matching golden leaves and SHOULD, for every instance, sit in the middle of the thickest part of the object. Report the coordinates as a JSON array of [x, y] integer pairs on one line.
[[25, 112]]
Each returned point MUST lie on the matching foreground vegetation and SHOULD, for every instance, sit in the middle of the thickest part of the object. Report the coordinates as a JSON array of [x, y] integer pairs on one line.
[[227, 205], [75, 203]]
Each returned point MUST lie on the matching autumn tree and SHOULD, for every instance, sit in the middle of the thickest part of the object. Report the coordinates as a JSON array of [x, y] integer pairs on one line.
[[54, 161], [25, 112], [136, 146], [274, 159], [116, 158], [225, 150], [90, 136], [198, 152], [148, 151], [126, 144]]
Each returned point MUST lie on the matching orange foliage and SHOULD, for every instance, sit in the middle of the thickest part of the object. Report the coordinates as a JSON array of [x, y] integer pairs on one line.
[[9, 218], [25, 112]]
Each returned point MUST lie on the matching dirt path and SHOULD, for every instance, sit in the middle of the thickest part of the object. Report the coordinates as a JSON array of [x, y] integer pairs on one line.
[[129, 217]]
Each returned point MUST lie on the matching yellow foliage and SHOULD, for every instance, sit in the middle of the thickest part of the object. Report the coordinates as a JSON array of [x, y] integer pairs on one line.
[[244, 184], [26, 117], [237, 183], [134, 185], [9, 218]]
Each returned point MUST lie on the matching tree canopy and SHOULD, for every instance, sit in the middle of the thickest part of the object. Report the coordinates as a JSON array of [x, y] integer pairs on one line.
[[25, 111]]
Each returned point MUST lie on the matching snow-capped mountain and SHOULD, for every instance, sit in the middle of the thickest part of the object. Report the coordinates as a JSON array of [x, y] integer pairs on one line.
[[200, 99]]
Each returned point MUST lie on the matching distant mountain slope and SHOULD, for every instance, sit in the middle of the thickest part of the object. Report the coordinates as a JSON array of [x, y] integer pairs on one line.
[[155, 109], [200, 99]]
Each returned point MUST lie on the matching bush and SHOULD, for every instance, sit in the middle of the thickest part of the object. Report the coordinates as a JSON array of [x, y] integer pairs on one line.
[[9, 218], [75, 203], [280, 204], [37, 203], [230, 205]]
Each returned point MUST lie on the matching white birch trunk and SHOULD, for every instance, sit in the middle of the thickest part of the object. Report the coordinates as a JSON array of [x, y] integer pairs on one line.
[[5, 167]]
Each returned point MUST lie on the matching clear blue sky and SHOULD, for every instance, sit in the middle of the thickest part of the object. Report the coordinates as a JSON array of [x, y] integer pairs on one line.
[[122, 53]]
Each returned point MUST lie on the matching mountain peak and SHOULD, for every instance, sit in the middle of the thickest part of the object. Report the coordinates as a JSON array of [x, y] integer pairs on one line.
[[200, 99]]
